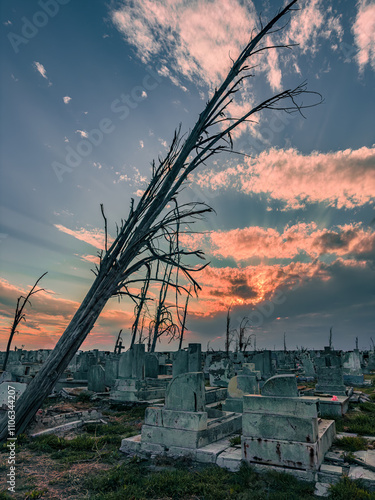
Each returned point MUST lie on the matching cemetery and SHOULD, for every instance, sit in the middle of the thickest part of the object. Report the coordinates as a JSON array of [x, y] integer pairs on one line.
[[285, 412]]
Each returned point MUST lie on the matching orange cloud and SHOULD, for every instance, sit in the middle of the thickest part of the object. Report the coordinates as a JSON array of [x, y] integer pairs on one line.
[[250, 285], [50, 315], [344, 179], [94, 237], [268, 243]]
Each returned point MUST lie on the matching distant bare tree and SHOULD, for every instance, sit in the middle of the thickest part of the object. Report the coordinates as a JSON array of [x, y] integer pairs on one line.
[[19, 315], [183, 322], [138, 241], [244, 339]]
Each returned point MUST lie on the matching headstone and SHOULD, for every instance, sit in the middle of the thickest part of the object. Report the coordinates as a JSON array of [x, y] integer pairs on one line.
[[241, 385], [180, 363], [96, 379], [352, 370], [280, 385], [132, 363], [195, 358], [111, 369], [329, 372], [151, 366], [184, 424], [186, 393]]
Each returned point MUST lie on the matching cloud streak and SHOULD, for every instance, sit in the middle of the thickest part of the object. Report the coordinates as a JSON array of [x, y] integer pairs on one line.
[[94, 237], [364, 34], [343, 179], [41, 69]]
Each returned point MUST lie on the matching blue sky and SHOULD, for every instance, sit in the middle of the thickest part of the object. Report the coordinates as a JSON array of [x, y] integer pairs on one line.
[[292, 243]]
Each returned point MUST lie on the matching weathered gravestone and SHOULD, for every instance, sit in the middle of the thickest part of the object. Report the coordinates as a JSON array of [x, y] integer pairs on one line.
[[111, 369], [246, 382], [132, 384], [352, 370], [184, 424], [329, 373], [284, 430], [151, 366], [281, 385], [96, 379], [189, 360]]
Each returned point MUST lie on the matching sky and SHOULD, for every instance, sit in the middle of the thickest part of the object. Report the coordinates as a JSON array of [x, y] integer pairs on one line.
[[92, 92]]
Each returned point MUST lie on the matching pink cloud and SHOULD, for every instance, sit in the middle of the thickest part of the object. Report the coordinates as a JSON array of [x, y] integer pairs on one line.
[[94, 237], [344, 179], [268, 243], [315, 19], [364, 34], [198, 37], [94, 259]]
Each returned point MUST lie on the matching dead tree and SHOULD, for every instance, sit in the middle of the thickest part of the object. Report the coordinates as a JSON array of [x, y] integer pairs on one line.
[[163, 322], [136, 244], [330, 337], [183, 322], [139, 307], [119, 345], [19, 315], [229, 333]]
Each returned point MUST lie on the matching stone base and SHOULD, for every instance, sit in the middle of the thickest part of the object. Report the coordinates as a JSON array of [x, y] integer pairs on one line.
[[233, 404], [293, 454], [329, 408], [215, 394], [132, 390], [187, 429]]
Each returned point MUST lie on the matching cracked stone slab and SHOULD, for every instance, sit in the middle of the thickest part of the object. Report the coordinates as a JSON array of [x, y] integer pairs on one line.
[[321, 489]]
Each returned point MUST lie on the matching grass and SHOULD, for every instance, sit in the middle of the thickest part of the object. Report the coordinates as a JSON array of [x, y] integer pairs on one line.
[[135, 481], [347, 489], [362, 423], [235, 441], [352, 444], [84, 397], [99, 440]]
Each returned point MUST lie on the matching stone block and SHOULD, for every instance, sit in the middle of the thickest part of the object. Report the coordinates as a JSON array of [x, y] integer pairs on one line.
[[233, 404], [285, 427], [209, 453], [131, 445], [176, 419], [230, 459], [299, 407]]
